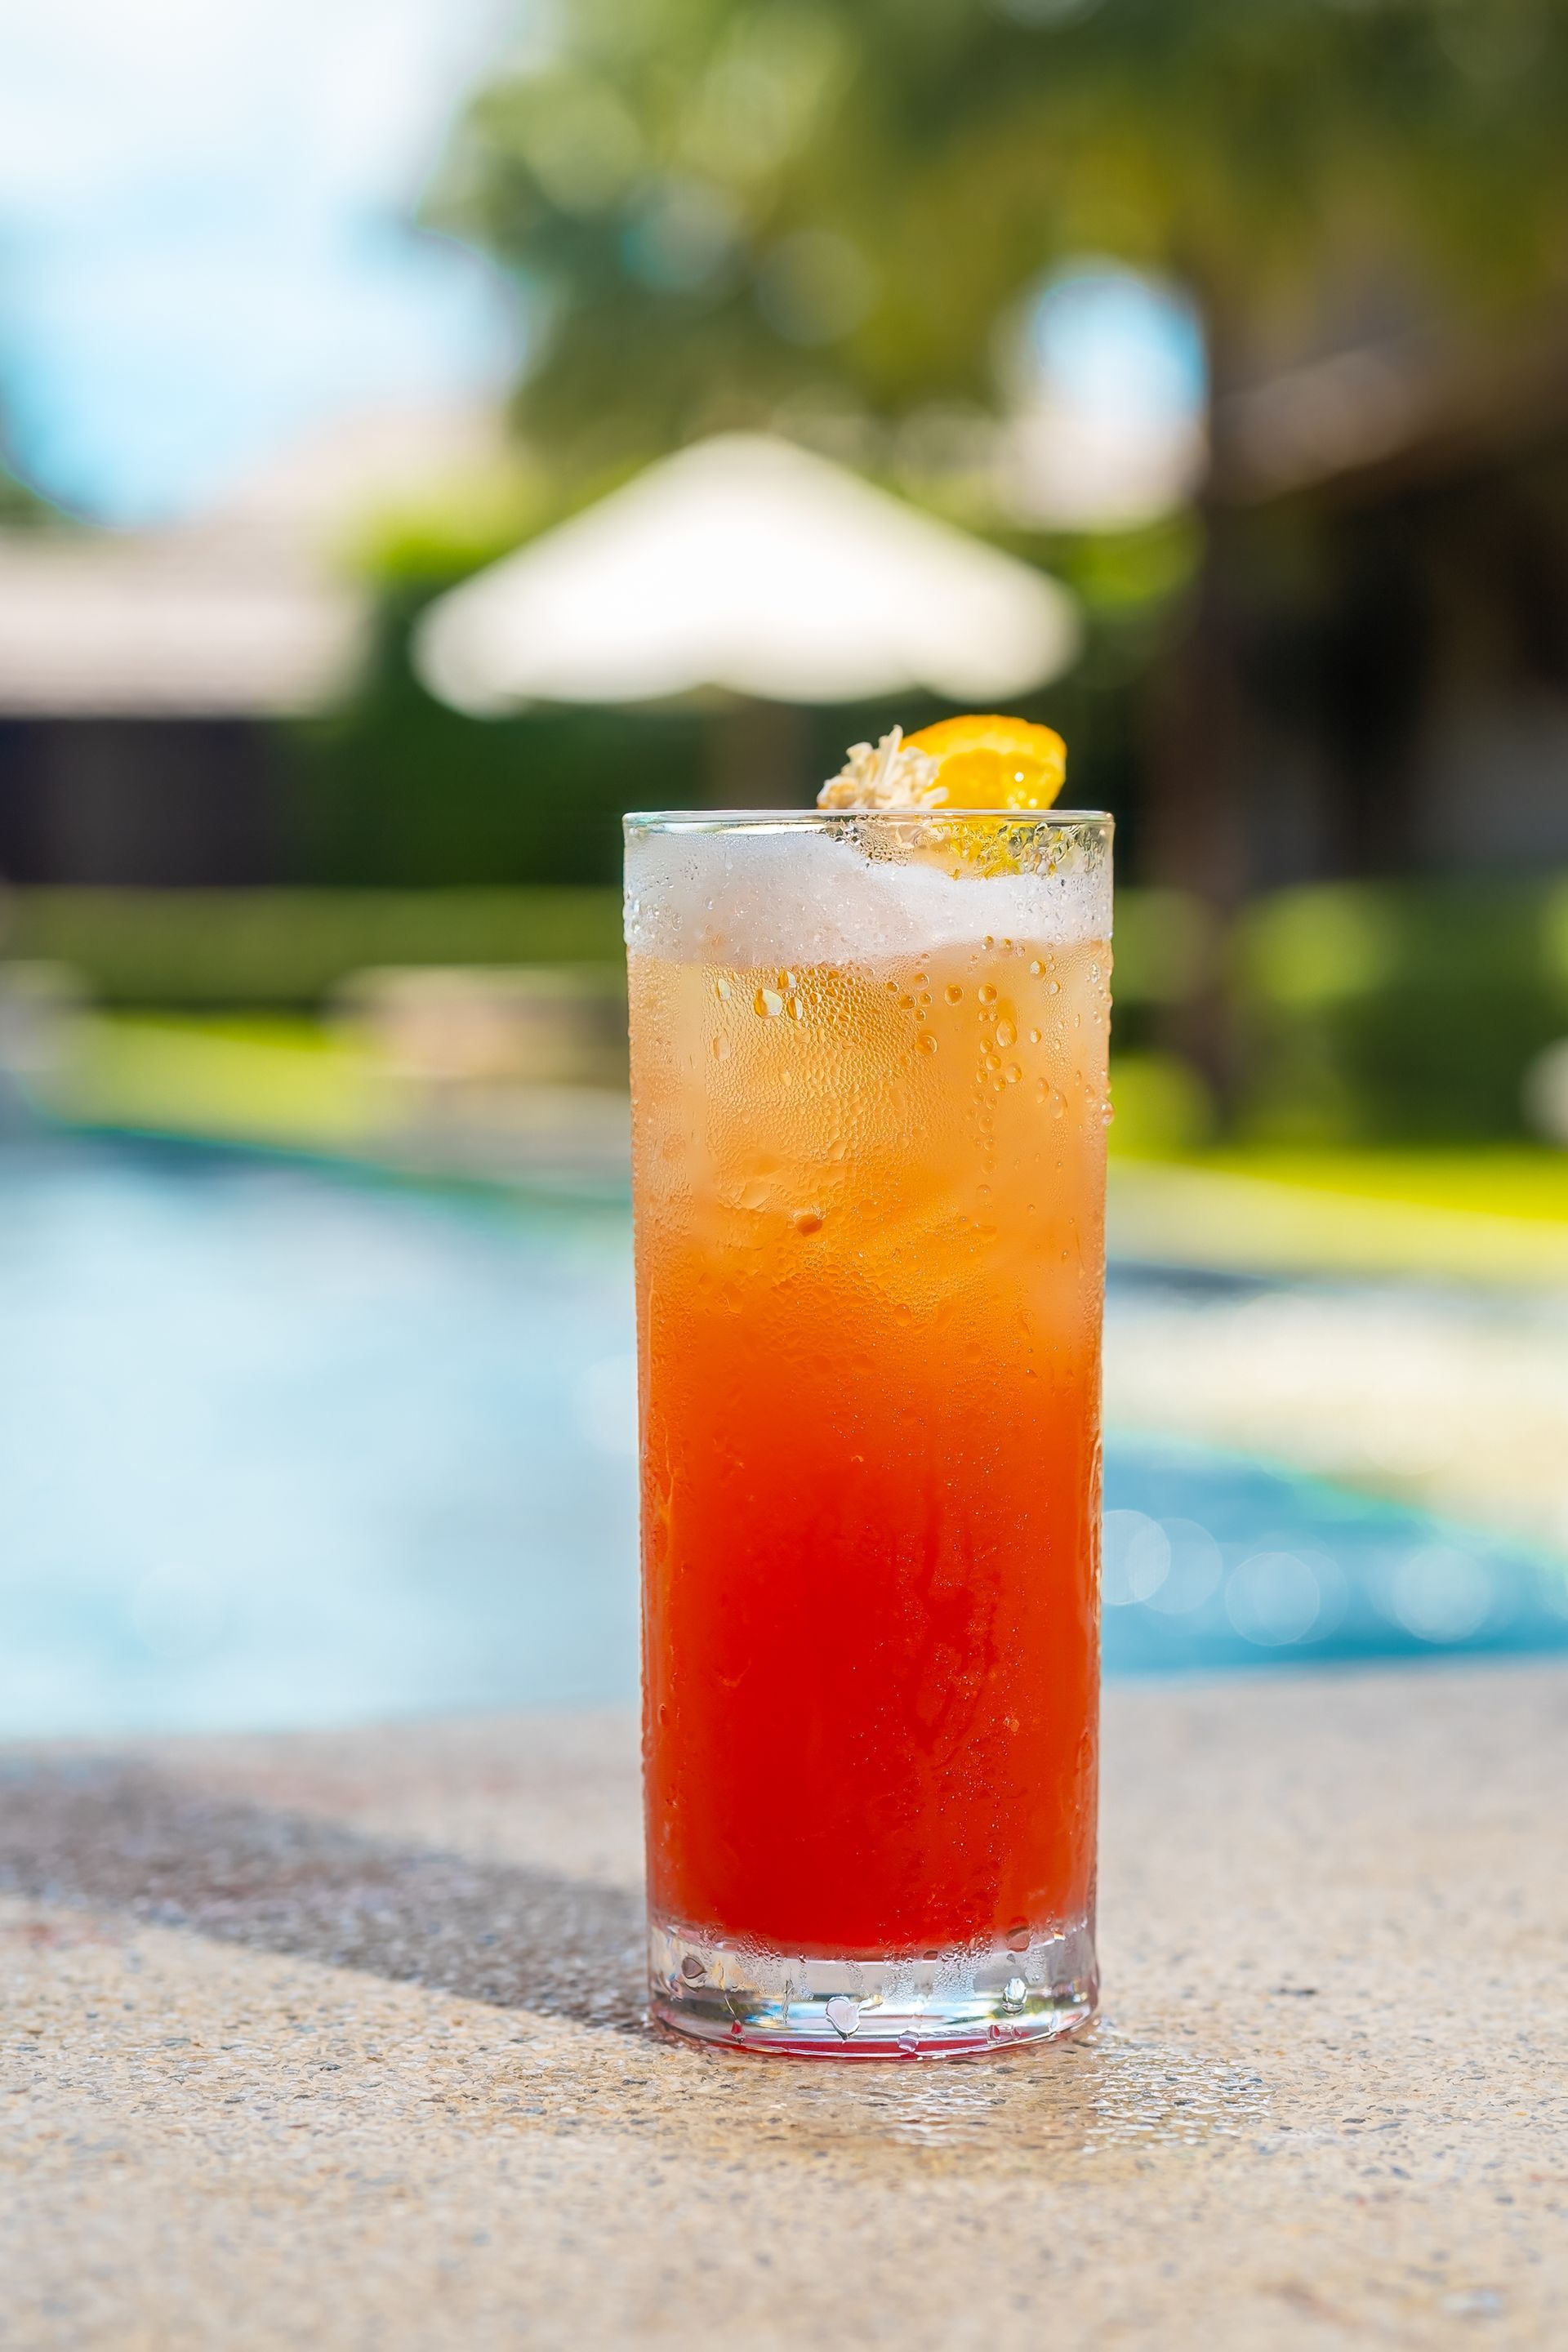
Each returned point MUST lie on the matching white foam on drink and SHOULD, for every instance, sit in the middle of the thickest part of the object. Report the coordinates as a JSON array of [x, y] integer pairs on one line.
[[790, 893]]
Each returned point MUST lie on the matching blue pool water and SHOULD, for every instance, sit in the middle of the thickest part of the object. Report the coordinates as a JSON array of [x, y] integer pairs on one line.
[[279, 1447]]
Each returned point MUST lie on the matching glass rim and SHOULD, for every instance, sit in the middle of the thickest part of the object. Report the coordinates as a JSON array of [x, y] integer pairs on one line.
[[741, 820]]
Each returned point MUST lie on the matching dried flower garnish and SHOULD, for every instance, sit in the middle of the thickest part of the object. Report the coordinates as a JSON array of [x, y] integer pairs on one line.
[[891, 774]]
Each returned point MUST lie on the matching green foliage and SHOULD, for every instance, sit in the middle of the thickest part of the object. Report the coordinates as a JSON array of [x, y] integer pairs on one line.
[[1399, 1012], [728, 205], [1372, 1014], [22, 508], [397, 790], [292, 948], [1161, 1107]]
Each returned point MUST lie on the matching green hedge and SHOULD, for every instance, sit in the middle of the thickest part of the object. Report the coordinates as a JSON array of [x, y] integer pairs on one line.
[[1399, 1012], [1370, 1012], [291, 948]]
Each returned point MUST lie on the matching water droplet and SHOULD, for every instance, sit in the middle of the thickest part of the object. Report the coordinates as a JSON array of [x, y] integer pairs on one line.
[[987, 994], [906, 1003], [807, 1221], [919, 979], [1018, 1936], [928, 1042], [1006, 1035], [1034, 1037], [786, 981], [842, 2014], [768, 1000], [953, 991], [989, 942], [691, 1968], [721, 990], [1035, 968], [1014, 1992], [909, 2043], [1012, 1074], [797, 1008], [1053, 988], [721, 1049]]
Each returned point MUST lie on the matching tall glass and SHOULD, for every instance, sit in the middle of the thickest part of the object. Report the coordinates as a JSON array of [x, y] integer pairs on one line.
[[869, 1086]]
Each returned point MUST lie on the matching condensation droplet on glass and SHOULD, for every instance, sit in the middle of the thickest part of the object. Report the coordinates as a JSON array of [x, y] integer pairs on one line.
[[1034, 1037], [1018, 1936], [808, 1221], [768, 1000], [691, 1968], [1014, 1992], [1053, 988], [797, 1008], [1006, 1033], [842, 2014], [928, 1042], [721, 990], [1012, 1074], [987, 994], [951, 991], [721, 1049], [1036, 968]]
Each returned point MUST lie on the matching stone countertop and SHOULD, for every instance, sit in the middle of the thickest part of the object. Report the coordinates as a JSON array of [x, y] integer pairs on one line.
[[334, 2041]]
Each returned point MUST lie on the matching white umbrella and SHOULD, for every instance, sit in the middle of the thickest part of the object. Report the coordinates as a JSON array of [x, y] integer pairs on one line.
[[748, 563]]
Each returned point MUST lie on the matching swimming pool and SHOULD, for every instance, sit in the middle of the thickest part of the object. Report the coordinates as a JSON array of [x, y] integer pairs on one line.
[[282, 1446]]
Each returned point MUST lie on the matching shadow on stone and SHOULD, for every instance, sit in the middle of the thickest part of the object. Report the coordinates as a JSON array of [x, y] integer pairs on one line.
[[123, 1839]]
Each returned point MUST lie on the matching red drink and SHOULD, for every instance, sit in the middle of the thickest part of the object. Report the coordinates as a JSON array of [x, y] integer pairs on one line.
[[868, 1188]]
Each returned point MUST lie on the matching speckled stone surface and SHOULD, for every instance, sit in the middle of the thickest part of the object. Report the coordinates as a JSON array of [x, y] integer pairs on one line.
[[335, 2041]]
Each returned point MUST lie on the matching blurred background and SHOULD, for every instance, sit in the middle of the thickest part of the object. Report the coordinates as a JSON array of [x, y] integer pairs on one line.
[[429, 428]]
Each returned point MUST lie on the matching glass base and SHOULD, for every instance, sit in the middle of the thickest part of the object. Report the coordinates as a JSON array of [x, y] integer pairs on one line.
[[948, 2004]]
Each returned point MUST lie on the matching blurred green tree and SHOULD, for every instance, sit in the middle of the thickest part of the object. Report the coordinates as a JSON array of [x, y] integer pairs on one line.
[[736, 211], [723, 206]]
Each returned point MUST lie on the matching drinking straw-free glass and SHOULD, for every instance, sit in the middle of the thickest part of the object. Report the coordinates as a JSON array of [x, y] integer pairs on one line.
[[868, 1080]]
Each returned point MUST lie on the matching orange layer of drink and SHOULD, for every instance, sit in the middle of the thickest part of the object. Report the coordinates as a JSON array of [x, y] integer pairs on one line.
[[869, 1080]]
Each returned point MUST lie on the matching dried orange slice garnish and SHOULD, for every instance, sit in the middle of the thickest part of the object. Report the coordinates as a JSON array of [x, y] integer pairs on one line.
[[992, 763]]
